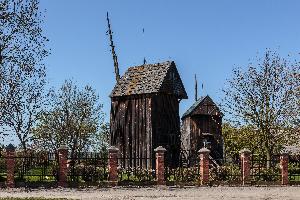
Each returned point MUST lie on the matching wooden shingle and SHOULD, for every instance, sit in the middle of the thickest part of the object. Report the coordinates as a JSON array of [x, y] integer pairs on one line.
[[150, 79]]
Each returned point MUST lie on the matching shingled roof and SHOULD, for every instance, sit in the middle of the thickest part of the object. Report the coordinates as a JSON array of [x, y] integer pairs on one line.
[[193, 107], [150, 78], [197, 104]]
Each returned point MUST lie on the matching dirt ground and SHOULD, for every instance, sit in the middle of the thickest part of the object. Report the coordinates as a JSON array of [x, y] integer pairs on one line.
[[207, 193]]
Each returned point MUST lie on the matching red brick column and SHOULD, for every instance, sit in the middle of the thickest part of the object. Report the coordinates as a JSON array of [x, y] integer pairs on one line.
[[204, 165], [10, 166], [63, 166], [160, 165], [284, 161], [245, 165], [113, 165]]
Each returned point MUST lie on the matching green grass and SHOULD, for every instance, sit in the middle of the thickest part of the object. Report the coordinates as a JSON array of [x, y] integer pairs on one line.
[[294, 178]]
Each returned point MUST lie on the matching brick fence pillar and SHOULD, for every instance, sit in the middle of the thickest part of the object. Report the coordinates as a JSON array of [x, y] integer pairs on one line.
[[113, 165], [204, 165], [63, 166], [245, 165], [284, 161], [160, 165], [10, 166]]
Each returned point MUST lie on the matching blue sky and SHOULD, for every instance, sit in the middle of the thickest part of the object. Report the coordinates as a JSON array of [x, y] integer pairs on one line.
[[208, 38]]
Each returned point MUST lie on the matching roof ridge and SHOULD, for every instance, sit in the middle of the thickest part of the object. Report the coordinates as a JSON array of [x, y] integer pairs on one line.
[[196, 104], [150, 65]]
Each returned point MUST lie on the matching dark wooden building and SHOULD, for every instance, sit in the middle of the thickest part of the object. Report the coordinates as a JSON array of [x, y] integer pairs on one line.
[[145, 111], [202, 127]]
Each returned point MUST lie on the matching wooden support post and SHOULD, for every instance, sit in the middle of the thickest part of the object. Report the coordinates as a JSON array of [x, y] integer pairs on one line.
[[10, 166], [284, 162], [245, 165], [113, 165], [204, 165], [160, 165], [63, 166]]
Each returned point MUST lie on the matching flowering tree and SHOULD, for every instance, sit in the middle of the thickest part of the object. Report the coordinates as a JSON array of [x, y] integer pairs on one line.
[[74, 117]]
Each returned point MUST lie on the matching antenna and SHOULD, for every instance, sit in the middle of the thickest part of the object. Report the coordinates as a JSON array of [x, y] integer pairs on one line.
[[114, 55], [196, 88]]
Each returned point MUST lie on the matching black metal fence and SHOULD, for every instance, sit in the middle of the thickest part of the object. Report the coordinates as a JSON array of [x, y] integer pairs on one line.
[[187, 172], [294, 169], [136, 171], [87, 169], [225, 171], [36, 169], [265, 171]]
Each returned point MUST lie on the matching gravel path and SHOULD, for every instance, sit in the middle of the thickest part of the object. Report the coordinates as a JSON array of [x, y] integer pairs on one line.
[[207, 193]]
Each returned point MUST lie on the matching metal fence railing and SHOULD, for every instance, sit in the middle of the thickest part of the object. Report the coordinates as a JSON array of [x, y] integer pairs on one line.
[[186, 172], [36, 169], [87, 168], [225, 171], [136, 171], [265, 171], [294, 169]]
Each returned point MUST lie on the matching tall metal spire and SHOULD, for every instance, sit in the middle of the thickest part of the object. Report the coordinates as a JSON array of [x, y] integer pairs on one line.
[[196, 88], [114, 55]]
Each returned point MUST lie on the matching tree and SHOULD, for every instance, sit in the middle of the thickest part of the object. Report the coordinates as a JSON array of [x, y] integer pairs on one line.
[[28, 101], [237, 138], [74, 118], [100, 140], [22, 73], [266, 97]]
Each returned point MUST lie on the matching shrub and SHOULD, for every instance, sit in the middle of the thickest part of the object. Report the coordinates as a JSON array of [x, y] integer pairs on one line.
[[226, 173], [265, 174]]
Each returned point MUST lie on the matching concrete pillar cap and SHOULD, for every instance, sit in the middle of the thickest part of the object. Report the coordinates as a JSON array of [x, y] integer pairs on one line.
[[113, 149], [10, 147], [204, 150], [245, 151], [160, 149]]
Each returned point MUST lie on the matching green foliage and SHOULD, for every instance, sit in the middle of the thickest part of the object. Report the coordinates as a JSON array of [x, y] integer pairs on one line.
[[137, 174], [226, 173], [294, 168], [265, 97], [2, 177], [267, 174], [74, 117], [236, 139], [88, 173], [184, 175]]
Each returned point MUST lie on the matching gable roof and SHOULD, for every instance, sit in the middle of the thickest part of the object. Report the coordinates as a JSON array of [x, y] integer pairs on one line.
[[150, 78], [198, 103]]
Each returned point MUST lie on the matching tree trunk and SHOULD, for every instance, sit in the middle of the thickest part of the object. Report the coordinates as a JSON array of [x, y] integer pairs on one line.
[[268, 154], [268, 160], [23, 143]]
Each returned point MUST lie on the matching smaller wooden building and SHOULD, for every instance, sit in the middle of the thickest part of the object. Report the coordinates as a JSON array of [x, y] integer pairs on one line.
[[202, 127], [145, 112]]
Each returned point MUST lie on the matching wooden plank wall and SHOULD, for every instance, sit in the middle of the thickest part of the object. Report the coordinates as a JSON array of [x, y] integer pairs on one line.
[[166, 125], [131, 130], [141, 123]]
